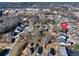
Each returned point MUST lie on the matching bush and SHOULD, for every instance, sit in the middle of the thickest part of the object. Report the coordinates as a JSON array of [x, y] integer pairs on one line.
[[0, 52], [76, 46]]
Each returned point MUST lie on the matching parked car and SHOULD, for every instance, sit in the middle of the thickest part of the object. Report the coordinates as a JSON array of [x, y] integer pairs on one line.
[[39, 51], [51, 52]]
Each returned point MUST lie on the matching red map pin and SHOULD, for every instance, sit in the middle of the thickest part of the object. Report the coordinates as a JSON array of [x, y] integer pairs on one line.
[[64, 25]]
